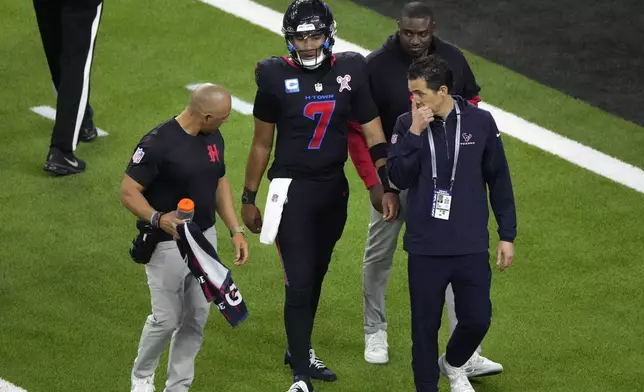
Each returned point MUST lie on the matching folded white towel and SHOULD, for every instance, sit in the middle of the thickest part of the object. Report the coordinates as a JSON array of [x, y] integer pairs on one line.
[[277, 196]]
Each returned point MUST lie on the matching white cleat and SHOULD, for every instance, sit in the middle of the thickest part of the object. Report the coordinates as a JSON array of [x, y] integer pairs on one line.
[[300, 386], [479, 366], [376, 348], [143, 384], [458, 381]]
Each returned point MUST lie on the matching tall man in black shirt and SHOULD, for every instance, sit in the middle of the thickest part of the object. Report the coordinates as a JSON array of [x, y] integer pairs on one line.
[[181, 158], [309, 97]]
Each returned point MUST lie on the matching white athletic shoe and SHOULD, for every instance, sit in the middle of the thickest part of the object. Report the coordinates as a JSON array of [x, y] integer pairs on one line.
[[458, 381], [376, 348], [143, 384], [301, 386], [479, 366]]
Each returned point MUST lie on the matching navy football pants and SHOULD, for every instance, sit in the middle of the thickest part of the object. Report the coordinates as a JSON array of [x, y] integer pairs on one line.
[[470, 276], [68, 30], [312, 222]]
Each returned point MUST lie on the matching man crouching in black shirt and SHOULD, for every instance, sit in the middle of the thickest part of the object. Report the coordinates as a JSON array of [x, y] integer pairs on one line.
[[181, 158]]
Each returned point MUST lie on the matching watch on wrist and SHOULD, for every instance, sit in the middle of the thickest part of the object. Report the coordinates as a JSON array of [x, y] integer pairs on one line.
[[237, 229]]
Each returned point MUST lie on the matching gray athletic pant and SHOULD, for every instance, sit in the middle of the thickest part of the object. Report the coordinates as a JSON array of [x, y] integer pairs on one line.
[[179, 314], [382, 240]]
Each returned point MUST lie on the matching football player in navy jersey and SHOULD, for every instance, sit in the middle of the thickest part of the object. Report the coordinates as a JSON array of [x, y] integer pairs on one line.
[[309, 97]]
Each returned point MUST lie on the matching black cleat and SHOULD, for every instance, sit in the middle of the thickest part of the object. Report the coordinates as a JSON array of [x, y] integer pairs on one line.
[[87, 134], [63, 164], [301, 384], [317, 368]]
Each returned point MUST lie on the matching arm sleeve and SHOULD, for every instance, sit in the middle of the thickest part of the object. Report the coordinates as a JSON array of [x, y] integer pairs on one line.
[[497, 176], [359, 152], [363, 106], [403, 164], [267, 105], [145, 162], [470, 88]]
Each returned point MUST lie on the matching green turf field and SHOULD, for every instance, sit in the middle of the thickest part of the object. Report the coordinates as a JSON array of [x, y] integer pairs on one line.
[[567, 316]]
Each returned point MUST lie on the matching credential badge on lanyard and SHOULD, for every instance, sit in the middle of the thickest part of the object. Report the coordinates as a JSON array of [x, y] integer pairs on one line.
[[442, 202]]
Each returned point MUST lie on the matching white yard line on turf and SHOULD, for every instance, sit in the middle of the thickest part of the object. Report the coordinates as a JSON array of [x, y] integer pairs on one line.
[[240, 106], [50, 113], [570, 150], [6, 386]]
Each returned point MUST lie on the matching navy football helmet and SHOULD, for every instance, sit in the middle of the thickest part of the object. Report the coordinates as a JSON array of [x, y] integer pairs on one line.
[[305, 18]]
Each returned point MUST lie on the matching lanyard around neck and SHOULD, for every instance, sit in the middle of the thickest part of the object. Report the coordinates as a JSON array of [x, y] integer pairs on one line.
[[457, 148]]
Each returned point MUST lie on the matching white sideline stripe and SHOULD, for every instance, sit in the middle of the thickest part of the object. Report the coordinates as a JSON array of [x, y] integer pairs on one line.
[[239, 105], [570, 150], [270, 19], [511, 124], [50, 113], [6, 386]]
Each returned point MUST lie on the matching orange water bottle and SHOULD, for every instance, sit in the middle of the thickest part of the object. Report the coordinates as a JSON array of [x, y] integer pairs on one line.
[[186, 210]]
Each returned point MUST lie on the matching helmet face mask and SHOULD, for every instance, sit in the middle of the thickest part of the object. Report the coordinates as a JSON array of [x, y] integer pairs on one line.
[[309, 20]]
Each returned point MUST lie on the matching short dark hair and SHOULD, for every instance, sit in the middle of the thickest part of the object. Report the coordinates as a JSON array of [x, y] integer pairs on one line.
[[417, 10], [434, 70]]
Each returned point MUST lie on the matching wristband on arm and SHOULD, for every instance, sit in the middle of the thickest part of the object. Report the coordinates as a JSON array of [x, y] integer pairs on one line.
[[248, 196], [379, 151], [155, 219]]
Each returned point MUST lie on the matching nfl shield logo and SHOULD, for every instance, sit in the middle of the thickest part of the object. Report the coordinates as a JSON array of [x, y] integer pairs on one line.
[[394, 138], [138, 155], [318, 87]]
